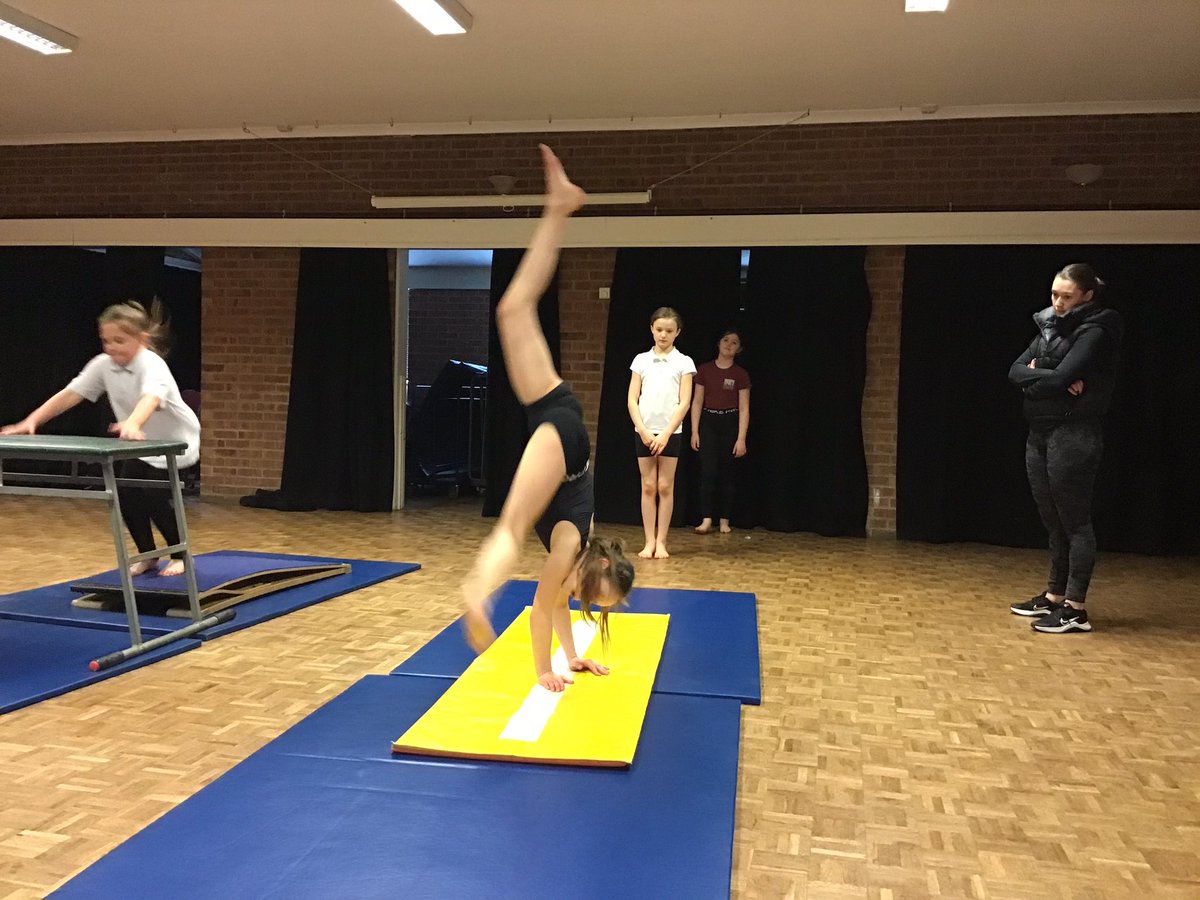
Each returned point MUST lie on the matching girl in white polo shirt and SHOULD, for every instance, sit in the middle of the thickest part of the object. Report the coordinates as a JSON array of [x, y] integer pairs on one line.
[[660, 393], [147, 403]]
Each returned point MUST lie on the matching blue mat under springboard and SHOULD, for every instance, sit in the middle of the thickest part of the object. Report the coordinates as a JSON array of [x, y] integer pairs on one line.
[[53, 604], [327, 811], [39, 660], [711, 648]]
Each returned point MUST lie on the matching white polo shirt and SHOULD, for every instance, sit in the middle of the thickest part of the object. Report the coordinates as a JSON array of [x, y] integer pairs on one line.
[[661, 376], [147, 373]]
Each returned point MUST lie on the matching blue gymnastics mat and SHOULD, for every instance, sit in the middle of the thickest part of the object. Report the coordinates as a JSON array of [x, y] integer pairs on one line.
[[52, 604], [39, 660], [327, 811], [711, 648]]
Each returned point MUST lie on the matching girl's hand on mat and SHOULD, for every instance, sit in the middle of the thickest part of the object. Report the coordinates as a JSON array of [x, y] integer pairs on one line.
[[22, 427], [587, 665], [127, 432], [552, 681]]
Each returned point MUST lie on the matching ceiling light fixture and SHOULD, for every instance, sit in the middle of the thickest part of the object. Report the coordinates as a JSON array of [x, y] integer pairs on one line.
[[490, 200], [439, 16], [33, 33], [926, 5]]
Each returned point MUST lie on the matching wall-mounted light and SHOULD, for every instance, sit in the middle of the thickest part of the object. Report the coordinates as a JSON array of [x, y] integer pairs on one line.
[[502, 200], [439, 16], [33, 33], [1084, 174]]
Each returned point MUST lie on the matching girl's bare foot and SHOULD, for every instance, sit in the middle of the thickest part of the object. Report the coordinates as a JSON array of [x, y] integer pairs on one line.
[[174, 567], [660, 551], [647, 552], [142, 567], [725, 529], [562, 196], [704, 527]]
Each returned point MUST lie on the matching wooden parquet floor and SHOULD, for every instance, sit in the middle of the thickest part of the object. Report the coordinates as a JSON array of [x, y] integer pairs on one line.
[[915, 739]]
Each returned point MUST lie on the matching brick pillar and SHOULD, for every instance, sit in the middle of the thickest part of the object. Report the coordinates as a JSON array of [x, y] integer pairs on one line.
[[248, 304], [885, 274], [583, 325]]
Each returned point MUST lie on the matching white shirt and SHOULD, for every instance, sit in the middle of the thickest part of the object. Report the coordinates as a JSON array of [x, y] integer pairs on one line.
[[661, 376], [147, 373]]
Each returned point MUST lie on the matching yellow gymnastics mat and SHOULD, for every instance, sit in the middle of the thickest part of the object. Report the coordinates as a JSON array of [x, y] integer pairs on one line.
[[497, 710]]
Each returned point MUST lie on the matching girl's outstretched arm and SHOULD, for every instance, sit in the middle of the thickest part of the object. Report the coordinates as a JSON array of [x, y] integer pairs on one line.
[[55, 406]]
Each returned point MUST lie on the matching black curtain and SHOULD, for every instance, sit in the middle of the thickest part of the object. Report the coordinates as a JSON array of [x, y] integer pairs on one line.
[[51, 296], [807, 311], [505, 432], [961, 436], [703, 285], [339, 448]]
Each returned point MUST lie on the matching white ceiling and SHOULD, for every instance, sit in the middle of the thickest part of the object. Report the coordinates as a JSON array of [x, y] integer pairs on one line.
[[204, 68]]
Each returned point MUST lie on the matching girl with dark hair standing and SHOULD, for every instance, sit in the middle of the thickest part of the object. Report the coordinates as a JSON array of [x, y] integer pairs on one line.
[[720, 419], [1068, 374]]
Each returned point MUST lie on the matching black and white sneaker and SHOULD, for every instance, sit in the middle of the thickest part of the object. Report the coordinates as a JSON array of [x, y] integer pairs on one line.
[[1063, 619], [1034, 606]]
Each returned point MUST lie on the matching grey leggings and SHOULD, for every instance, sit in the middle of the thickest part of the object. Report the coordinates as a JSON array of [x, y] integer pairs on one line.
[[1061, 462]]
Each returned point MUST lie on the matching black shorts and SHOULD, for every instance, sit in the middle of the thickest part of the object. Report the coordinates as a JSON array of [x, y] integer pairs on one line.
[[574, 502], [562, 410], [674, 442]]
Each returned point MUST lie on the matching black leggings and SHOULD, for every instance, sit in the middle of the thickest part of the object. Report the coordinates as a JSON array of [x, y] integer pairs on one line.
[[1061, 463], [718, 434], [140, 506]]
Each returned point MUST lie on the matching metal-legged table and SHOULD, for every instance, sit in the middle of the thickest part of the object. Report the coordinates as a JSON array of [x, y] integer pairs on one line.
[[106, 452]]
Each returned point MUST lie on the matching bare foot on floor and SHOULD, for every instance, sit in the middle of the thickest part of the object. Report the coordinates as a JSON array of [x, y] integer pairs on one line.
[[174, 567], [141, 568], [704, 527], [647, 552], [660, 552], [725, 529]]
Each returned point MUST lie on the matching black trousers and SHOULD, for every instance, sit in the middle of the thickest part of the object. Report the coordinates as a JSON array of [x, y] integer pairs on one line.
[[718, 465], [1061, 462], [142, 506]]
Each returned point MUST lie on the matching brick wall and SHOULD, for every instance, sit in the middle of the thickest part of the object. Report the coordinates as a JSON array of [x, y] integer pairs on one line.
[[443, 325], [1151, 161], [248, 303], [885, 275], [583, 325]]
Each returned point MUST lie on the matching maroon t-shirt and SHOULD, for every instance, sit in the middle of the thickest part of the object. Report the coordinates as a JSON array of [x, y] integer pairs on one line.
[[721, 386]]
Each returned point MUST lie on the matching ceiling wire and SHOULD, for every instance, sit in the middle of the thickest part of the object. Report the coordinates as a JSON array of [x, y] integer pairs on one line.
[[758, 137], [316, 165], [736, 147]]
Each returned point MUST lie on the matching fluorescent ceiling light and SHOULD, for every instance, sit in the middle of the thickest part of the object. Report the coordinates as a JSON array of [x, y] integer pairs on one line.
[[493, 200], [926, 5], [34, 33], [439, 16]]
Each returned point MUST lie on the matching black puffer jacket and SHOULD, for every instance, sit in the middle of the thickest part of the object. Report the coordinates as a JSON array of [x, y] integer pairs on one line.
[[1083, 345]]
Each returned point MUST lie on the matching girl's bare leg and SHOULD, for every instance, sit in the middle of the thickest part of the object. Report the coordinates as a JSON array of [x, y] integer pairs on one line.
[[526, 355], [648, 466], [666, 503], [539, 474]]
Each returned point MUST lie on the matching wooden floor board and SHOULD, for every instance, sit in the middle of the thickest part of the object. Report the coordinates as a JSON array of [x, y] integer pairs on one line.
[[915, 739]]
